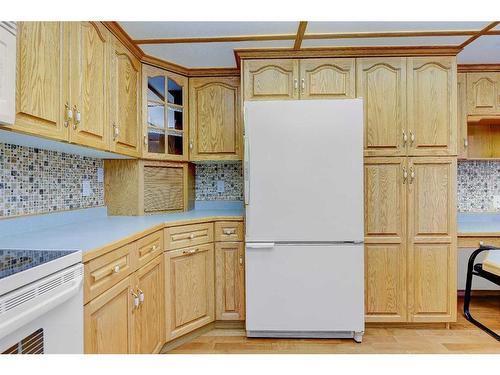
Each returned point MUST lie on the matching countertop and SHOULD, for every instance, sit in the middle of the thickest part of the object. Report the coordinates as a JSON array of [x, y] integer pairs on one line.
[[486, 223], [92, 229]]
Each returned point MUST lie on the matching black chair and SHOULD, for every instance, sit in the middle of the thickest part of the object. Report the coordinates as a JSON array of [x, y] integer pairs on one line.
[[477, 270]]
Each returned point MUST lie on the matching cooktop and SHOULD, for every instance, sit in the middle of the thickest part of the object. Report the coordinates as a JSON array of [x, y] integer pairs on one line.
[[13, 261]]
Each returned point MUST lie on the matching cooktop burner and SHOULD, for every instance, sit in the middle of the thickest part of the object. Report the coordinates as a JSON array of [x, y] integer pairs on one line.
[[14, 261]]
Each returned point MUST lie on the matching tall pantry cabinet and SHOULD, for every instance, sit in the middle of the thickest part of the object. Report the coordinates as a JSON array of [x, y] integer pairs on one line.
[[410, 187], [410, 148]]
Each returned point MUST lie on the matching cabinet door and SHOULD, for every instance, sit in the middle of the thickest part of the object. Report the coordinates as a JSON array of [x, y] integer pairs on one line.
[[271, 79], [215, 119], [149, 317], [108, 321], [7, 73], [462, 142], [327, 78], [483, 93], [385, 239], [189, 289], [381, 82], [124, 100], [229, 281], [432, 106], [42, 79], [89, 57], [432, 292]]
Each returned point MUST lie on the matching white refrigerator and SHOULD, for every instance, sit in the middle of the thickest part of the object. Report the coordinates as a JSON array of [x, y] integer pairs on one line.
[[303, 170]]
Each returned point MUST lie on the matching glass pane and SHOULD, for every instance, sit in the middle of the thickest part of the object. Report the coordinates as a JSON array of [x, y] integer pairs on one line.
[[156, 115], [156, 141], [174, 118], [156, 88], [174, 92], [175, 144]]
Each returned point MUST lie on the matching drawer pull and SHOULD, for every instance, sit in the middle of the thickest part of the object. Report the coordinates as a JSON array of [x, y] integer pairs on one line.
[[191, 236], [229, 231], [190, 251], [154, 248], [116, 269]]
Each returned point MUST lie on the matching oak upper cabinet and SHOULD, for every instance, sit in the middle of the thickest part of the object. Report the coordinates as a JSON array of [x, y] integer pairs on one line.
[[327, 78], [432, 239], [108, 320], [165, 100], [385, 182], [215, 119], [381, 82], [149, 316], [229, 281], [42, 79], [432, 106], [462, 142], [89, 60], [124, 100], [483, 93], [271, 79], [189, 289]]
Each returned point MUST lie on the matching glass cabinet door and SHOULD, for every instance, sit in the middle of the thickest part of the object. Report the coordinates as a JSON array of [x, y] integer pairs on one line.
[[165, 95]]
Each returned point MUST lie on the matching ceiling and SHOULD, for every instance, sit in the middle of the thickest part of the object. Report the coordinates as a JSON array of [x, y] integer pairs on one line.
[[197, 49]]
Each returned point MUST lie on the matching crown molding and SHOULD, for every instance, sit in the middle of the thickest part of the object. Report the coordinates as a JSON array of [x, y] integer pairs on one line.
[[470, 68], [124, 38]]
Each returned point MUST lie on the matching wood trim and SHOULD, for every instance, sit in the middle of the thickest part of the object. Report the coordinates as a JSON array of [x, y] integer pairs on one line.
[[488, 119], [368, 51], [300, 34], [481, 32], [124, 38], [470, 68], [217, 39]]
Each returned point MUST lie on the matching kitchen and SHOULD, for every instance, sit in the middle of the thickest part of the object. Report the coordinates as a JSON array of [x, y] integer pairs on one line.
[[155, 201]]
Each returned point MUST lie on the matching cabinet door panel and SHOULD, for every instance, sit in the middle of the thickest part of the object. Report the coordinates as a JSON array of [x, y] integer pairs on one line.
[[108, 322], [382, 85], [89, 67], [385, 282], [124, 97], [482, 93], [270, 79], [229, 281], [189, 283], [149, 317], [432, 106], [215, 121], [41, 79], [327, 78]]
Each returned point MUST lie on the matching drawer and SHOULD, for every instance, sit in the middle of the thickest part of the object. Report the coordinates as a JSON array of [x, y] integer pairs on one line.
[[188, 235], [229, 231], [105, 271], [149, 247], [473, 242]]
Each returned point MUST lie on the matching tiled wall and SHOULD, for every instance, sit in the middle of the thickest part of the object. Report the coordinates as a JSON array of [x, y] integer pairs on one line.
[[34, 181], [207, 175], [478, 182]]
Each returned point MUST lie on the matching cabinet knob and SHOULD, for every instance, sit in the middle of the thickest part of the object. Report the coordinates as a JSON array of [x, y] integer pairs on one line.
[[191, 236], [116, 269], [153, 248]]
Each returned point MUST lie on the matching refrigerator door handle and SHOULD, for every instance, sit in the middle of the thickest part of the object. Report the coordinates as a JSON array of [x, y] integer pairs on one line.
[[260, 245]]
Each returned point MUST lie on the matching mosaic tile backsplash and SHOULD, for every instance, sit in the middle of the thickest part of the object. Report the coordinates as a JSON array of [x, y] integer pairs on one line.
[[35, 181], [478, 182], [207, 175]]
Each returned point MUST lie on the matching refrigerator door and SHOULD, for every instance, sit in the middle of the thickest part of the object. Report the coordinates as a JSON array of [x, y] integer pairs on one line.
[[304, 290], [304, 170]]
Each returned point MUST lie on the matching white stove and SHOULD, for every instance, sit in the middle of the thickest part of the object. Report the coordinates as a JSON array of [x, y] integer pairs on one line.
[[41, 301]]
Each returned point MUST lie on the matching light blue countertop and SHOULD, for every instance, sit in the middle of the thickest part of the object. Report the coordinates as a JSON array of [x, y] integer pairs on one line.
[[483, 222], [90, 229]]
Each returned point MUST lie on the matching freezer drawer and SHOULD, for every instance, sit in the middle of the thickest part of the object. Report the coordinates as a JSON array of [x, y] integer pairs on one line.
[[304, 289]]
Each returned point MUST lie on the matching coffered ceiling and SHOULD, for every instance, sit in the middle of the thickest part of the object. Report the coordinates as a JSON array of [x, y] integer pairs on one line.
[[212, 44]]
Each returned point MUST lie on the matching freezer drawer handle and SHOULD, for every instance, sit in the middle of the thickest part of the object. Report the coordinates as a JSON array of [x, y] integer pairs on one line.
[[260, 245]]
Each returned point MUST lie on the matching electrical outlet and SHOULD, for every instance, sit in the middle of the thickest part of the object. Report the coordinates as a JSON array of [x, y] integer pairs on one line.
[[86, 188], [221, 186], [496, 201], [100, 175]]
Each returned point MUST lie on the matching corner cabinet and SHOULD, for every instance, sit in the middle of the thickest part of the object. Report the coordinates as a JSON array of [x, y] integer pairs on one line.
[[165, 100], [124, 100], [215, 124]]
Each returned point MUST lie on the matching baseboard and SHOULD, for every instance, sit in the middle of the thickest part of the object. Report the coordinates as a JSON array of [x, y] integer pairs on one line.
[[406, 325], [230, 324], [175, 343]]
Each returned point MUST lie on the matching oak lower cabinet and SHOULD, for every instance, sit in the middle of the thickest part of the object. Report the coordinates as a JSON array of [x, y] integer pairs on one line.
[[410, 239], [215, 126], [229, 281], [189, 289]]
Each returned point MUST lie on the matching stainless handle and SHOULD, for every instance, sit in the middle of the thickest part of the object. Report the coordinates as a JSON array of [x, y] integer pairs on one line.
[[405, 138], [412, 137], [260, 245], [68, 114], [412, 175], [405, 175]]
